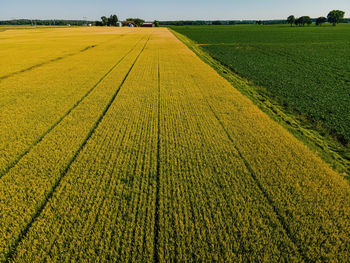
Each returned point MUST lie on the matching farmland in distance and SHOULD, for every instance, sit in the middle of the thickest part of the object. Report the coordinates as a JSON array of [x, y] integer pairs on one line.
[[122, 145]]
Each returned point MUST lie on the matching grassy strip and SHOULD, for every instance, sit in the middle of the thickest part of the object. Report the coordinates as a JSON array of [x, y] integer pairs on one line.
[[336, 155]]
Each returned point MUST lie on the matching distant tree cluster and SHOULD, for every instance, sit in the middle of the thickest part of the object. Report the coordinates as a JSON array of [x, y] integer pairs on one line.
[[51, 22], [219, 22], [335, 17], [301, 21], [184, 23], [105, 21], [113, 20], [321, 20], [137, 21], [216, 23]]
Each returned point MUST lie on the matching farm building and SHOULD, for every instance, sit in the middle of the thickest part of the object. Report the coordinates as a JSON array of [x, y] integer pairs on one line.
[[129, 23], [119, 24], [147, 25]]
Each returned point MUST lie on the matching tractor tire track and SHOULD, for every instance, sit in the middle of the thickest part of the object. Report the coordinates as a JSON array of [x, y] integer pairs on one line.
[[51, 61], [13, 248], [46, 63], [36, 142]]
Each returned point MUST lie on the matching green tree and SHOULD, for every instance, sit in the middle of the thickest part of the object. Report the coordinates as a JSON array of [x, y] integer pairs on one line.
[[308, 20], [138, 21], [291, 20], [112, 21], [156, 23], [104, 20], [335, 17], [321, 20], [302, 21]]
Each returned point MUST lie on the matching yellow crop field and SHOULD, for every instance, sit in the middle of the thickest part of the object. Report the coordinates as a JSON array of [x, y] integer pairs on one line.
[[120, 144]]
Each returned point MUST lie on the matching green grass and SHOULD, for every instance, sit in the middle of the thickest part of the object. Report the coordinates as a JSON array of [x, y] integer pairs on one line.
[[306, 70]]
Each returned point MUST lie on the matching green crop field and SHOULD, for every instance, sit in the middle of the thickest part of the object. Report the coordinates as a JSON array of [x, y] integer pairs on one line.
[[304, 69]]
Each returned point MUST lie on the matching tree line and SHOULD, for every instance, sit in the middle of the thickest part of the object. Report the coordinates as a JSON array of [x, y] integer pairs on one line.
[[113, 21], [334, 17], [51, 22], [219, 22]]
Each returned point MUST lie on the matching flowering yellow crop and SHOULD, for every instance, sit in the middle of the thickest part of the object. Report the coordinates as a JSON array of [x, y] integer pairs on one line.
[[36, 97], [160, 159]]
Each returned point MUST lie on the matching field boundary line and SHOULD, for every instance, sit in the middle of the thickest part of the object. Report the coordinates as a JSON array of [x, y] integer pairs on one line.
[[156, 257], [37, 141], [12, 251], [329, 151]]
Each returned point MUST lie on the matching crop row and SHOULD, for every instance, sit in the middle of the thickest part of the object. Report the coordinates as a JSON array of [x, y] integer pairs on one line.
[[103, 208], [106, 206], [23, 49], [306, 70], [210, 207], [34, 102], [28, 184], [179, 166], [311, 89], [310, 201]]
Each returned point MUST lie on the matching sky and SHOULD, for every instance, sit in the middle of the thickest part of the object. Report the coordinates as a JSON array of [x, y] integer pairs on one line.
[[169, 10]]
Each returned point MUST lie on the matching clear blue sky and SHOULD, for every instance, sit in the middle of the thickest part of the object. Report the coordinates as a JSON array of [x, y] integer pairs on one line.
[[169, 10]]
